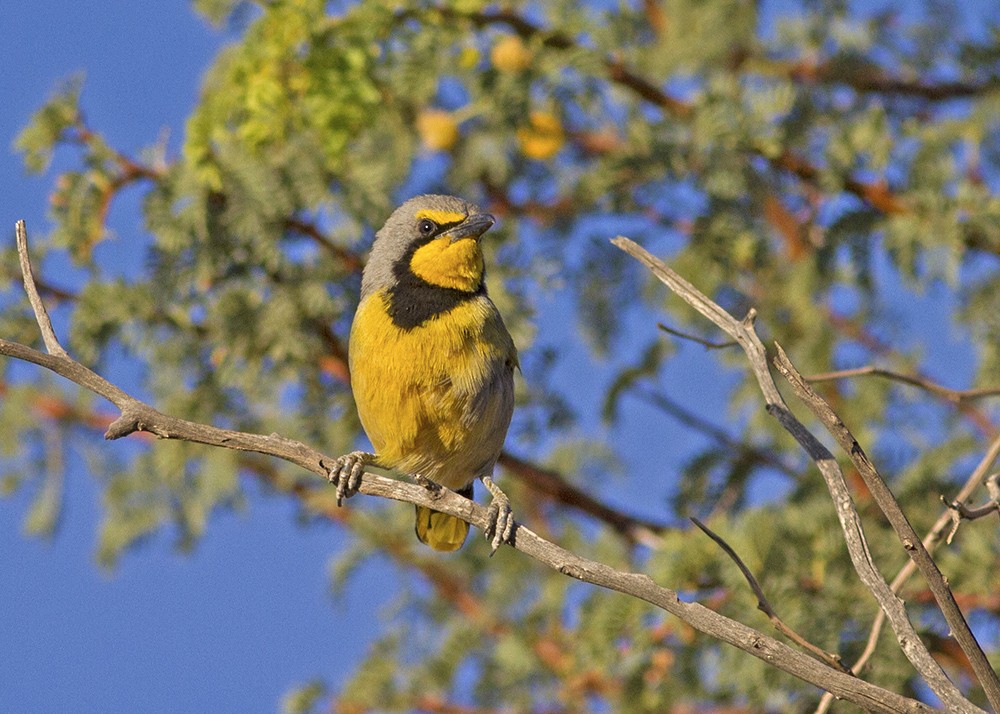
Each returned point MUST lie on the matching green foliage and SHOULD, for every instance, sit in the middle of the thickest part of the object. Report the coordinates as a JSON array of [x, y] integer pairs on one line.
[[49, 125], [807, 172], [304, 699]]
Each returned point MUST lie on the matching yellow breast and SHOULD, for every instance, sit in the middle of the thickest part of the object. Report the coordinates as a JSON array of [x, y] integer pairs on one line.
[[435, 399]]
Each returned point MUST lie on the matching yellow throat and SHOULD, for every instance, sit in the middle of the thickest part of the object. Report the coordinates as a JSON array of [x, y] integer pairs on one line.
[[457, 265]]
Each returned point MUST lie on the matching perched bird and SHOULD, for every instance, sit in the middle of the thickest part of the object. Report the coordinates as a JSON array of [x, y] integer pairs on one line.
[[432, 364]]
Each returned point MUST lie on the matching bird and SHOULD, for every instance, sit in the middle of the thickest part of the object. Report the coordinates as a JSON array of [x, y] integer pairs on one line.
[[432, 364]]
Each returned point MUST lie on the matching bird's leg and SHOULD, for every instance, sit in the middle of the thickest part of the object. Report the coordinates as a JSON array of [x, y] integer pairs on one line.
[[346, 472], [501, 521]]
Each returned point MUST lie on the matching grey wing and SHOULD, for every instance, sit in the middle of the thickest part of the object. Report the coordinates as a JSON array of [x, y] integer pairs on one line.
[[492, 410]]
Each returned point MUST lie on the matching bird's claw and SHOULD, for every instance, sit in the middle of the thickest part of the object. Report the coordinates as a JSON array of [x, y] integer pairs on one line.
[[500, 525], [345, 472]]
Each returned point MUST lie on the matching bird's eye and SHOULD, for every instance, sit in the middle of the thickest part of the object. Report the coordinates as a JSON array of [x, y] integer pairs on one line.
[[426, 227]]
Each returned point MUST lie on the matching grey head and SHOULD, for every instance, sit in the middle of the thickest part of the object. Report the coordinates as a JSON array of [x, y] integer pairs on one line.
[[407, 227]]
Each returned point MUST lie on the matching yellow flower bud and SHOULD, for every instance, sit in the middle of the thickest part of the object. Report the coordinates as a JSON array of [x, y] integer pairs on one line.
[[542, 138], [438, 129], [510, 54]]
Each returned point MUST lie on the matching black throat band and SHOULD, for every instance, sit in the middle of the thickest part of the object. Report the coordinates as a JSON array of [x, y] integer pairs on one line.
[[413, 301]]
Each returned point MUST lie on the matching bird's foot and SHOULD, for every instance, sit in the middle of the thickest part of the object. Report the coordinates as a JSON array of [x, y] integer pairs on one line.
[[345, 472], [426, 483], [500, 527]]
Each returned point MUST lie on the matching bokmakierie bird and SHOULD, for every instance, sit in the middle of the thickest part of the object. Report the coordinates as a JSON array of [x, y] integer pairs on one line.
[[432, 363]]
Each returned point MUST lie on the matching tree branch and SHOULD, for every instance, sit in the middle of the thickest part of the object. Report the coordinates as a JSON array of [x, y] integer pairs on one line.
[[707, 344], [760, 455], [141, 417], [873, 344], [764, 606], [351, 262], [956, 396], [935, 536], [137, 416], [961, 510], [743, 332], [866, 77], [900, 524], [38, 307]]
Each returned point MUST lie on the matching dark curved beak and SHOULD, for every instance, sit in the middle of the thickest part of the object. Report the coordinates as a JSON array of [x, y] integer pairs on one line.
[[472, 227]]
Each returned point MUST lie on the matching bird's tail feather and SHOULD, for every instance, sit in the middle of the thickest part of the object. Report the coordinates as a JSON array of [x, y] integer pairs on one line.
[[441, 531]]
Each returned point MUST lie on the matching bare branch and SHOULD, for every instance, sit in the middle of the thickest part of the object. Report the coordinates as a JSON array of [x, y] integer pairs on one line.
[[744, 333], [956, 396], [849, 327], [764, 606], [38, 307], [867, 77], [960, 511], [931, 541], [900, 524], [137, 416], [707, 344]]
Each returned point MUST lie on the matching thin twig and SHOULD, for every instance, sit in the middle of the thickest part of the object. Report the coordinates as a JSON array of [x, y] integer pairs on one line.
[[956, 396], [52, 345], [350, 261], [138, 416], [743, 332], [976, 416], [960, 511], [764, 606], [707, 344], [900, 524]]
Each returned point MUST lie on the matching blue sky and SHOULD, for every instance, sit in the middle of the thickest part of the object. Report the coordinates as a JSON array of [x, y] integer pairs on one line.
[[248, 614]]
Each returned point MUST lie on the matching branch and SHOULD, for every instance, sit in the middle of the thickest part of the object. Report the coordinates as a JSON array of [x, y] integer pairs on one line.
[[38, 307], [870, 342], [137, 416], [956, 396], [141, 417], [743, 332], [935, 536], [869, 78], [960, 510], [351, 262], [707, 344], [900, 524], [764, 606]]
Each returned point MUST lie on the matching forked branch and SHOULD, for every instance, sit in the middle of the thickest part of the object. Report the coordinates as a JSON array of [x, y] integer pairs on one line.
[[743, 332], [889, 506]]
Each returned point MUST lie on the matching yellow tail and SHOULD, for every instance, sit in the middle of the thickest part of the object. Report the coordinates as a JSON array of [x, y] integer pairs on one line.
[[439, 530]]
